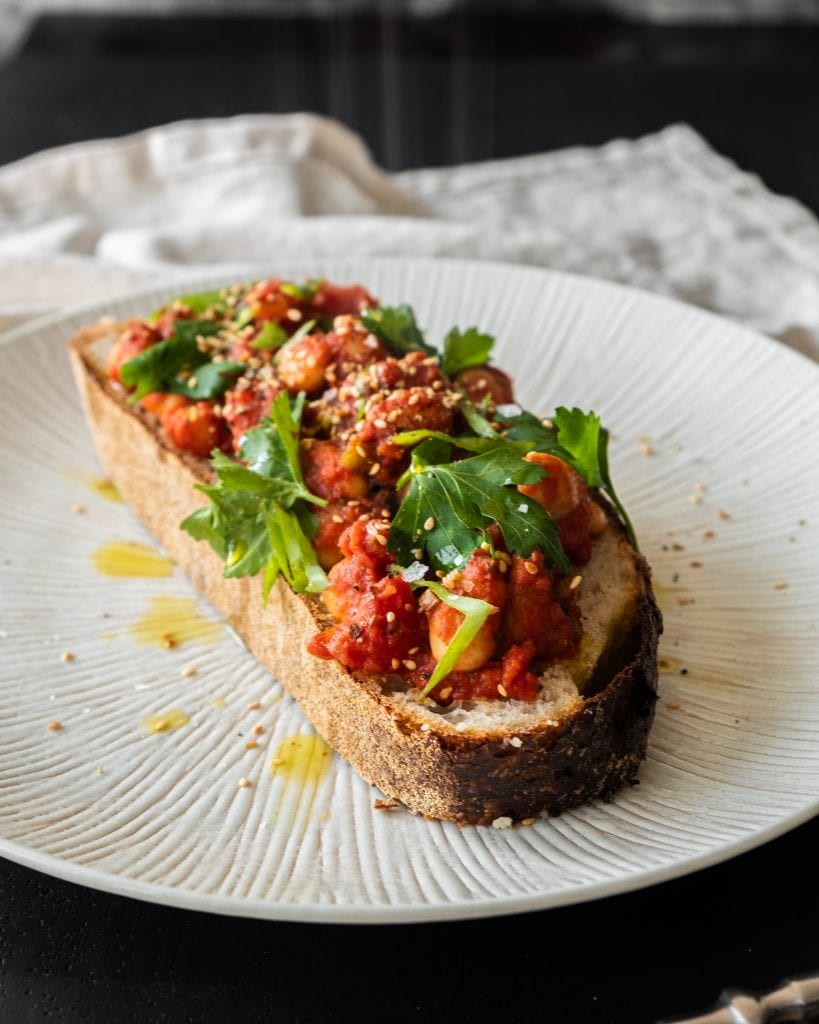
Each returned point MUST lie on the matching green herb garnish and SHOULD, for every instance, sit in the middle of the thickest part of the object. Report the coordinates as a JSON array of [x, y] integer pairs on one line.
[[450, 504], [586, 441], [258, 519], [475, 613], [158, 368], [271, 336], [463, 350], [397, 326]]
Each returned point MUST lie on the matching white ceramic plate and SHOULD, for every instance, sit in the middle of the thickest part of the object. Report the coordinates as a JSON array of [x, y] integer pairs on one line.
[[725, 502]]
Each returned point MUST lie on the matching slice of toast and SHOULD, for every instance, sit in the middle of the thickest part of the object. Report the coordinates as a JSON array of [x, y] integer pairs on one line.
[[489, 761]]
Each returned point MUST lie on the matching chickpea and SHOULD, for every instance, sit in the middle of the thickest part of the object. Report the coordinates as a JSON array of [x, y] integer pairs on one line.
[[302, 364], [561, 491]]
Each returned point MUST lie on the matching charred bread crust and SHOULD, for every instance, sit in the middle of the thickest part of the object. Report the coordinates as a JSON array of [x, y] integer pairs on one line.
[[471, 777]]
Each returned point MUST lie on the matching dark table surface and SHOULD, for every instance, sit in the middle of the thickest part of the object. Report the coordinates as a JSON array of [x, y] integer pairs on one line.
[[421, 92]]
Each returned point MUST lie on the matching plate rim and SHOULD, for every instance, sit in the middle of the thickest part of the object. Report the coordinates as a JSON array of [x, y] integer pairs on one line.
[[393, 913]]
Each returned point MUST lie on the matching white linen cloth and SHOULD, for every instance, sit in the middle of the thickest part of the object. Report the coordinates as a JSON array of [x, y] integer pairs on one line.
[[664, 212]]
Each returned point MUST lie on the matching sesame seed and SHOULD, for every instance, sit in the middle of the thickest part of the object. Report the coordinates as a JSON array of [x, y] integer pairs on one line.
[[361, 451], [67, 656], [723, 514], [78, 510], [694, 499], [413, 399], [294, 314], [696, 565], [445, 693], [781, 585], [375, 469], [410, 664], [531, 568], [257, 730], [646, 449], [381, 424], [414, 650], [54, 726], [382, 540], [528, 821], [187, 671], [251, 745], [699, 488], [244, 783], [254, 705], [429, 524], [396, 663], [168, 641], [674, 705], [503, 566], [575, 582], [502, 690], [390, 616], [337, 518]]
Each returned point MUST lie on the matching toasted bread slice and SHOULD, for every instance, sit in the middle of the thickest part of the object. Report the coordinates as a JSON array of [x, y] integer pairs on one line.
[[482, 763]]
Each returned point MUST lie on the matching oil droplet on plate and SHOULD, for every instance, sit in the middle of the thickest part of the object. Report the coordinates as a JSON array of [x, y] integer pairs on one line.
[[302, 758], [174, 719], [104, 488], [171, 621], [127, 558]]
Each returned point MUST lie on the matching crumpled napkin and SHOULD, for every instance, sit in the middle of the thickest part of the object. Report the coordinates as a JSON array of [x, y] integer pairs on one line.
[[665, 213]]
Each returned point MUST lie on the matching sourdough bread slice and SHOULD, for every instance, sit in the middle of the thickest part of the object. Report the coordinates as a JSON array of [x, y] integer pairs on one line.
[[481, 763]]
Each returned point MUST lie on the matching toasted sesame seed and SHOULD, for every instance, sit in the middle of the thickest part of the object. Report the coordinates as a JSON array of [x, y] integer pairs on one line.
[[502, 565], [244, 783], [429, 524], [381, 424], [382, 540], [361, 451], [781, 585], [375, 469], [54, 726], [67, 656], [531, 568], [390, 616], [396, 663], [575, 582], [445, 693], [409, 607], [723, 514], [502, 690], [646, 449], [528, 821], [168, 641], [410, 664], [257, 730], [187, 671], [251, 745], [254, 705], [294, 314], [414, 399], [413, 650], [695, 565], [337, 518], [674, 705], [78, 510]]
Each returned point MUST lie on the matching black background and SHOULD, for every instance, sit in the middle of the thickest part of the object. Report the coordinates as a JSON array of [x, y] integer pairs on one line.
[[427, 91]]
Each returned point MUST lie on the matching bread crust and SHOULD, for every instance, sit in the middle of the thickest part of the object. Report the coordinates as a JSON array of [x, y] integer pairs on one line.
[[472, 776]]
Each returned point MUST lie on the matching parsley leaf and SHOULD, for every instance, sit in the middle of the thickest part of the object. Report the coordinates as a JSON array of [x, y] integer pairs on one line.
[[525, 426], [210, 380], [397, 326], [449, 505], [259, 517], [586, 442], [465, 349], [302, 292], [157, 368]]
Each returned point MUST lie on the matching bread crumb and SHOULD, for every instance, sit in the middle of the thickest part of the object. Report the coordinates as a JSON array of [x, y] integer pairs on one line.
[[385, 805], [516, 742], [502, 822]]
